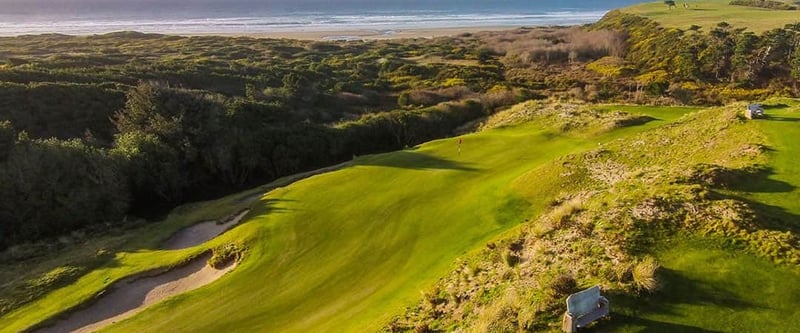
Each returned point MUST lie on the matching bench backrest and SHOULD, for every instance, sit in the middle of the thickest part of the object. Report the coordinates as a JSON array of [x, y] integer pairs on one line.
[[583, 302]]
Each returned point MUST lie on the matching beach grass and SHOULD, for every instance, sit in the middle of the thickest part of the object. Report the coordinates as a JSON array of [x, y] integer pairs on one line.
[[707, 13]]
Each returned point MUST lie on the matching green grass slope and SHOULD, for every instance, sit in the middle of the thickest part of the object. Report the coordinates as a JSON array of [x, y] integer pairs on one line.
[[344, 251], [708, 198], [710, 285], [707, 13], [781, 187]]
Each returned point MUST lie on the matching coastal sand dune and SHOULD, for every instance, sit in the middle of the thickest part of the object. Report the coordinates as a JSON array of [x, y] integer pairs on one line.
[[134, 294]]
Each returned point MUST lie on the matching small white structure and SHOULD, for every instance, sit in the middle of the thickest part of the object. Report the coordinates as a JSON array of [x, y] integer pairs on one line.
[[754, 111], [583, 308]]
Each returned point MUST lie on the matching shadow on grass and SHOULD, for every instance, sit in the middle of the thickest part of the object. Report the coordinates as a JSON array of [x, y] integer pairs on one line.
[[754, 181], [412, 160], [785, 119], [750, 179], [774, 106], [631, 313], [767, 216], [643, 325]]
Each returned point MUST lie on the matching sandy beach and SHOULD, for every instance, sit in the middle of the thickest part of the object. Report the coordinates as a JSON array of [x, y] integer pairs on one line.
[[361, 34]]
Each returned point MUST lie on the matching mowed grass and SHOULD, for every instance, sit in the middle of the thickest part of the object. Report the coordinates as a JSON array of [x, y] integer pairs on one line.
[[344, 251], [137, 253], [781, 186], [707, 13], [709, 286]]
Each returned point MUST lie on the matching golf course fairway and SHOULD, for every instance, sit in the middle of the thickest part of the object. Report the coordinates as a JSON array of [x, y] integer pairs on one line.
[[345, 250]]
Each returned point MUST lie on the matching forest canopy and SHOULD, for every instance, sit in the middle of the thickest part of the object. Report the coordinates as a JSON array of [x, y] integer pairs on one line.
[[97, 129]]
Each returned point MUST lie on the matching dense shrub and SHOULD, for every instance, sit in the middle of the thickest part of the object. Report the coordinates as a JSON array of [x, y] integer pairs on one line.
[[556, 45], [50, 187], [771, 4], [225, 254], [58, 110]]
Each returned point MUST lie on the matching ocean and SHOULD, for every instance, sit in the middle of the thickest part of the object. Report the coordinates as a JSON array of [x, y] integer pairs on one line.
[[81, 17]]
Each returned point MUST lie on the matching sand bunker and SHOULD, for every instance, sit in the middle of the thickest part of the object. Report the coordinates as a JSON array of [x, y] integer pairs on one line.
[[200, 233], [132, 295]]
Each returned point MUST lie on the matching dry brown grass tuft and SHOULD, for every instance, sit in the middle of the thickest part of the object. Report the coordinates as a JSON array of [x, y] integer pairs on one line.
[[644, 275]]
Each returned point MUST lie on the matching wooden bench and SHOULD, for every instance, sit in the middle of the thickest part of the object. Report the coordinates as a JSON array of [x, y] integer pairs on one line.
[[583, 308]]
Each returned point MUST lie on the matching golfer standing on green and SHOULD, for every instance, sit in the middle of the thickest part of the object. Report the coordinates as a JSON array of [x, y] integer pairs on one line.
[[459, 146]]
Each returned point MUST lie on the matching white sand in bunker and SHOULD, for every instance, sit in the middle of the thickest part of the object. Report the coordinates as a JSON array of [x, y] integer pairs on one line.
[[200, 233], [132, 295]]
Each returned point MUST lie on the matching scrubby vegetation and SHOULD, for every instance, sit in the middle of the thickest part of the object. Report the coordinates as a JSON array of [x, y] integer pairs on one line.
[[771, 4], [616, 203], [722, 65], [225, 254], [155, 127], [97, 130]]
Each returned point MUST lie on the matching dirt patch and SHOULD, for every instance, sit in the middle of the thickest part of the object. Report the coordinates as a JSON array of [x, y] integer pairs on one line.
[[201, 232], [132, 295]]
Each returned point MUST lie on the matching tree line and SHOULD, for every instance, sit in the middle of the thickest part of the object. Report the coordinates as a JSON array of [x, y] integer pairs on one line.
[[173, 145], [127, 127], [724, 56]]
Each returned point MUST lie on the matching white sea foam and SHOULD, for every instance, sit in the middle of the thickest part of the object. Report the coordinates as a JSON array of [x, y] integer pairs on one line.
[[16, 25]]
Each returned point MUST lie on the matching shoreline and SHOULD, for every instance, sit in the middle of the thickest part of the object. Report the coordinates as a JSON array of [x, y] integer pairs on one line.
[[358, 34]]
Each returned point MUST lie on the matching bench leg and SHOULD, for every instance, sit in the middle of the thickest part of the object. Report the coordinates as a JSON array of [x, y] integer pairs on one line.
[[569, 324]]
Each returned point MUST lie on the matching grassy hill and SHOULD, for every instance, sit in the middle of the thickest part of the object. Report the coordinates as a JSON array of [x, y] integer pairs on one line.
[[662, 220], [350, 249], [709, 281], [345, 250], [707, 13]]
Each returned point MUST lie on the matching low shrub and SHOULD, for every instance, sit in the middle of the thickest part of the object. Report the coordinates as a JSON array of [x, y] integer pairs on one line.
[[225, 254], [644, 275], [764, 4]]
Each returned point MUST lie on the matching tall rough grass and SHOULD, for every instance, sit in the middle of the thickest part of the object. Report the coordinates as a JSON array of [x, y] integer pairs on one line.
[[597, 231], [644, 275]]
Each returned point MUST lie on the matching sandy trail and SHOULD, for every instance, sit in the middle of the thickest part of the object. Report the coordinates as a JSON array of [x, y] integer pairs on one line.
[[200, 233], [132, 295]]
